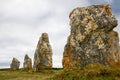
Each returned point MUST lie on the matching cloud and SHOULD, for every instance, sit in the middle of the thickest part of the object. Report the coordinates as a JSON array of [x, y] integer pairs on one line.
[[24, 8]]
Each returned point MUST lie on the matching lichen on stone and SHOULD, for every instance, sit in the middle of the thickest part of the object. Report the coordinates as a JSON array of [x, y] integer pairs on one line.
[[92, 39], [15, 64], [43, 54], [27, 65]]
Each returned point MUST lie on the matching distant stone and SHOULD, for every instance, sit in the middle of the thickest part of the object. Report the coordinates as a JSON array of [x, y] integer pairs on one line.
[[27, 62], [43, 54], [15, 64], [92, 38]]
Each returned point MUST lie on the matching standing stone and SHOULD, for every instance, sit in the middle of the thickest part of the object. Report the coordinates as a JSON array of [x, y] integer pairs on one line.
[[15, 64], [27, 62], [92, 39], [43, 54]]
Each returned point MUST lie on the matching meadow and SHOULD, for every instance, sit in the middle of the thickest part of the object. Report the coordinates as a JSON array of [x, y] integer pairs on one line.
[[87, 73]]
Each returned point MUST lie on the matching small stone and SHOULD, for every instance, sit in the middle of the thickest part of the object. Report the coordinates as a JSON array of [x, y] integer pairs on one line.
[[27, 63], [15, 64], [43, 54]]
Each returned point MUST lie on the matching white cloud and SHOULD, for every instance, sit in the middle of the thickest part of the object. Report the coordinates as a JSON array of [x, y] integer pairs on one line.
[[24, 8]]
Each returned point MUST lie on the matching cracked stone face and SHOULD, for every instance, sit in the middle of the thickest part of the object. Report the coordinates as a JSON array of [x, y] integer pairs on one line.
[[92, 38]]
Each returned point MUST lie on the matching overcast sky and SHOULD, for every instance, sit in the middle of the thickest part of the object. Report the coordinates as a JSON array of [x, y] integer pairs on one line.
[[23, 21]]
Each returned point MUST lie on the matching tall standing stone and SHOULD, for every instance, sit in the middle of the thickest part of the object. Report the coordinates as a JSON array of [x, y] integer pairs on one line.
[[92, 38], [27, 62], [15, 64], [43, 54]]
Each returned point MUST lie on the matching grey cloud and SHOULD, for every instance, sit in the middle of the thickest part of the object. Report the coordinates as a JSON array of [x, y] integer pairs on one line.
[[4, 64], [4, 42]]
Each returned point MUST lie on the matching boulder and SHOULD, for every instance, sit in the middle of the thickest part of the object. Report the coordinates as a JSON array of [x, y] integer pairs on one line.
[[92, 39], [43, 54], [15, 64], [27, 62]]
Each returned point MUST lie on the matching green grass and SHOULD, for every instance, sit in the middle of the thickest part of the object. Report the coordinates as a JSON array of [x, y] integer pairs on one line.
[[87, 73], [21, 74], [90, 73]]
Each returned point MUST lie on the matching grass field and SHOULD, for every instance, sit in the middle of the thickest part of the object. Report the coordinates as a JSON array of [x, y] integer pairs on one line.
[[87, 73], [7, 74]]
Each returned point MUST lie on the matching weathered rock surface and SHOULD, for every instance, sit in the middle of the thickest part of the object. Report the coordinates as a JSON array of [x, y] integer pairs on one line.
[[27, 62], [15, 64], [92, 38], [43, 54]]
